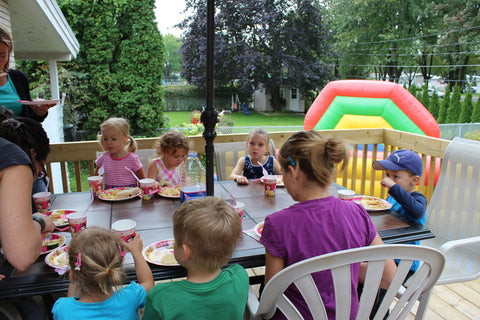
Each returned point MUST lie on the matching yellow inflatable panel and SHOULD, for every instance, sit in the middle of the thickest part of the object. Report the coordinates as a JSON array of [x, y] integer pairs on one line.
[[350, 121]]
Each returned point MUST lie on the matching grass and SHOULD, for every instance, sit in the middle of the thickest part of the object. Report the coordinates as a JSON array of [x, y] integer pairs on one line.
[[242, 120]]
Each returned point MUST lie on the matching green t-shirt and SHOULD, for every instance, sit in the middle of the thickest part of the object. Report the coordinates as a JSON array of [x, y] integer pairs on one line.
[[224, 297]]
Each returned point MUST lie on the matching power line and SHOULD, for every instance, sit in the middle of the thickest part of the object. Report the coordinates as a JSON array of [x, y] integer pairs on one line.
[[419, 47], [420, 37], [410, 54], [417, 66]]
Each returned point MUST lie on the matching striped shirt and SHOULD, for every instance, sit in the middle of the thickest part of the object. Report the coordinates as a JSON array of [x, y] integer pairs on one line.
[[115, 174], [172, 176]]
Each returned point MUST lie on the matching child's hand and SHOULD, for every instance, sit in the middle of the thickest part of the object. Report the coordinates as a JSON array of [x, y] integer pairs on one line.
[[387, 182], [135, 245], [242, 180], [157, 185]]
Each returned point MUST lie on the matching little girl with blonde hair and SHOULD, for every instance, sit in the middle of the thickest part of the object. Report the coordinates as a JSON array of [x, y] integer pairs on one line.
[[96, 275], [119, 158], [172, 149], [258, 158]]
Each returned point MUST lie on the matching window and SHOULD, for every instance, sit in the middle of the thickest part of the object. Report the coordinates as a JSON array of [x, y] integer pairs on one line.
[[293, 93]]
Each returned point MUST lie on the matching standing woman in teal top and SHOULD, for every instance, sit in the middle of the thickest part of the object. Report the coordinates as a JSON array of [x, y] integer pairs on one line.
[[14, 85]]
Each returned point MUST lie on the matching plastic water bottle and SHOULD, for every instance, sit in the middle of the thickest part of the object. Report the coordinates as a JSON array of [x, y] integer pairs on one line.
[[192, 184]]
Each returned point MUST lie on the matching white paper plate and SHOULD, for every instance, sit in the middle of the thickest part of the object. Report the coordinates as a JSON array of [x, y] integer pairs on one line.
[[159, 251], [38, 102]]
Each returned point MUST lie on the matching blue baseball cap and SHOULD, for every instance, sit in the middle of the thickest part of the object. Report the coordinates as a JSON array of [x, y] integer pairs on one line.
[[401, 160]]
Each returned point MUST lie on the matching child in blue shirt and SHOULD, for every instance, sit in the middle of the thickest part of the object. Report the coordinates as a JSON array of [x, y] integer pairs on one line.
[[96, 277], [403, 169]]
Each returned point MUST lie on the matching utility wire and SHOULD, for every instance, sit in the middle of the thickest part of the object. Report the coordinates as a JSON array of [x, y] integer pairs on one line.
[[414, 47], [420, 37], [409, 54]]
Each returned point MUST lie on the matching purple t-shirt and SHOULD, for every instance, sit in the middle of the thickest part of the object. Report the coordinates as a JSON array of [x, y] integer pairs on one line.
[[315, 227]]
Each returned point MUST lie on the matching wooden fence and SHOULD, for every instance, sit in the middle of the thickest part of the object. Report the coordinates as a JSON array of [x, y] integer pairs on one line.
[[358, 177]]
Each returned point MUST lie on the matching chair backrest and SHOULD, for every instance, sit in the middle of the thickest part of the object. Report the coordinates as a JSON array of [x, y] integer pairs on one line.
[[227, 155], [420, 284], [453, 213]]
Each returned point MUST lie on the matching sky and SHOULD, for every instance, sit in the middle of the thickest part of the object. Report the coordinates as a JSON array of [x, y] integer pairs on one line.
[[169, 13]]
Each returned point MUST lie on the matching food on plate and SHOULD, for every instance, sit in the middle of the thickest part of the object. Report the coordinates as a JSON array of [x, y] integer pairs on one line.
[[168, 258], [52, 243], [258, 229], [115, 194], [126, 193], [161, 253], [58, 258], [59, 217], [373, 203], [171, 191]]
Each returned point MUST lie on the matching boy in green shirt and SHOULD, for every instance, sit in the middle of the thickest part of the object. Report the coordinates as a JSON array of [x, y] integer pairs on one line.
[[206, 232]]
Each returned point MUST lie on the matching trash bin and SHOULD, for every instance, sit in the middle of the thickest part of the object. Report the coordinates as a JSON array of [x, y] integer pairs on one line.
[[68, 132]]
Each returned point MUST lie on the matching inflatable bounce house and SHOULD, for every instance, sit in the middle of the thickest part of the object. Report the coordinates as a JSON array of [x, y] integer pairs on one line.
[[358, 104]]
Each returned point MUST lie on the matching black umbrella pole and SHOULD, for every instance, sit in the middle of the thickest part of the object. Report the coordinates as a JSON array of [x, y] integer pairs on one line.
[[209, 114]]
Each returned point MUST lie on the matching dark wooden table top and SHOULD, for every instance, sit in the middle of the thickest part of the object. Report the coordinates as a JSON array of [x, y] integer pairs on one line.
[[154, 223]]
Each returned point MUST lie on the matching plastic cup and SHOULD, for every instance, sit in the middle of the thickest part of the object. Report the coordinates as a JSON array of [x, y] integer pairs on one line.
[[238, 206], [125, 229], [77, 221], [270, 184], [96, 184], [42, 201], [346, 194], [146, 186]]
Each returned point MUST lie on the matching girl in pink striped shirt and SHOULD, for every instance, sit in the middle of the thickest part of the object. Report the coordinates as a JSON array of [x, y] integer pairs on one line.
[[172, 149], [120, 147]]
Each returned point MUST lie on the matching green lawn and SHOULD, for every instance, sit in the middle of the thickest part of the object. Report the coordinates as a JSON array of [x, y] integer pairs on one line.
[[242, 120]]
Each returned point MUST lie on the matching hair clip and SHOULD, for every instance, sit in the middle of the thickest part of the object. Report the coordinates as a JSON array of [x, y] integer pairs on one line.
[[14, 122], [122, 253], [292, 162], [78, 263]]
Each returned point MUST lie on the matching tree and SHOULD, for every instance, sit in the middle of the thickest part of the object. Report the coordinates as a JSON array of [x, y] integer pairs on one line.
[[266, 43], [476, 112], [442, 113], [433, 106], [173, 58], [375, 36], [121, 52], [453, 111], [425, 100], [467, 109], [458, 21]]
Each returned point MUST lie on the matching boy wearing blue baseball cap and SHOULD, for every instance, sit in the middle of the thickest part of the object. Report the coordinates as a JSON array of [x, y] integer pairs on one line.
[[403, 169]]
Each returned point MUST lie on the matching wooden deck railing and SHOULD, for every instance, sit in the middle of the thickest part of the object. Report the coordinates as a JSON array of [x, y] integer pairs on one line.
[[358, 177]]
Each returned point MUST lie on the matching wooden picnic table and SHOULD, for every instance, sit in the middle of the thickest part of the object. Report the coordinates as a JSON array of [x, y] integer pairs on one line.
[[154, 223]]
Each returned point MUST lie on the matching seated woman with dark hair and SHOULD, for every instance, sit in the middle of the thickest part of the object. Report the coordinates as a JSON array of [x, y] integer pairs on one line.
[[25, 147]]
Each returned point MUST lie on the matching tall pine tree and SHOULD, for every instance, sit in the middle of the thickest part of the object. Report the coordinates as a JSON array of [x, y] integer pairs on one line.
[[433, 106], [453, 111], [442, 113], [476, 112], [467, 109], [121, 51]]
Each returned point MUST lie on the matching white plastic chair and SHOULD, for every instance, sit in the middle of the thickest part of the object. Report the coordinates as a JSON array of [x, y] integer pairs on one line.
[[420, 284], [453, 213], [227, 155]]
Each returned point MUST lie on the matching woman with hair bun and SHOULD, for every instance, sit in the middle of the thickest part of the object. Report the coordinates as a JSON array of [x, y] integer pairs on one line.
[[319, 223]]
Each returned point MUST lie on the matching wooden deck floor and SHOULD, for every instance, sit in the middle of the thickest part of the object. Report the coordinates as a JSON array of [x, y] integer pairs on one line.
[[458, 301]]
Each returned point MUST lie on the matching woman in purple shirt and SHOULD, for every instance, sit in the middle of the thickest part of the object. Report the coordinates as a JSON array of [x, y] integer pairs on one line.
[[318, 223]]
